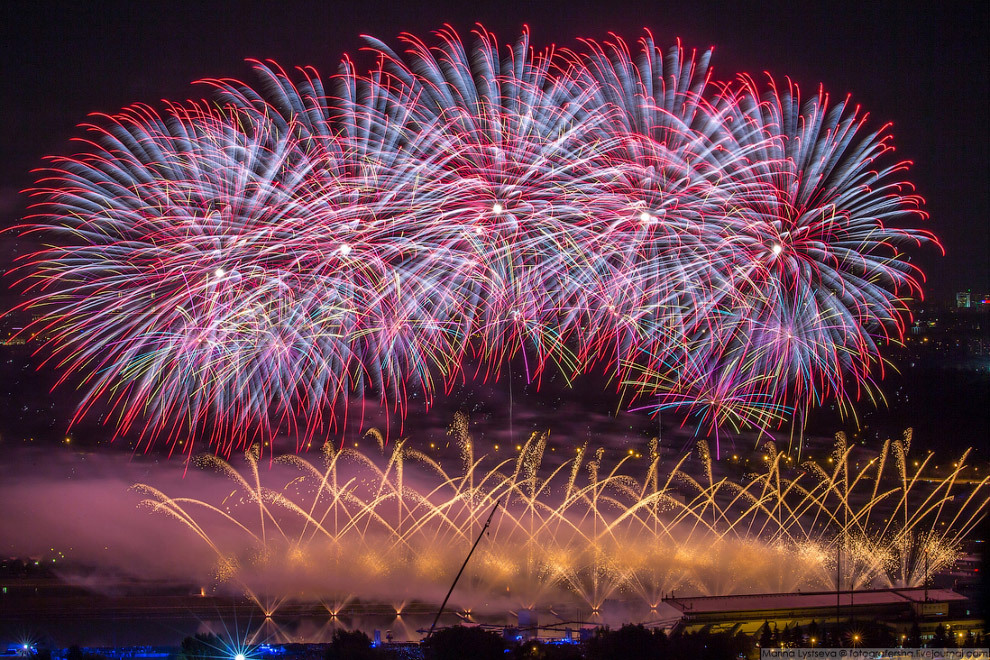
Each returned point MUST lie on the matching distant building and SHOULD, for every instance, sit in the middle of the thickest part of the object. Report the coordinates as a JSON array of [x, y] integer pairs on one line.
[[963, 299], [529, 623], [898, 608]]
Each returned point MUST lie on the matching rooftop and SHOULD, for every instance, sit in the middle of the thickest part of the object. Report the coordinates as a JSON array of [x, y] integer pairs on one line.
[[809, 600]]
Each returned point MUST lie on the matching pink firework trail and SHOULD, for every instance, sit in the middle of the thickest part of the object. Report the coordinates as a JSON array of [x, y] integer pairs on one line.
[[233, 269]]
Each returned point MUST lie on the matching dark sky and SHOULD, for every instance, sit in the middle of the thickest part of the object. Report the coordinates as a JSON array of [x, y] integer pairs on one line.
[[920, 65]]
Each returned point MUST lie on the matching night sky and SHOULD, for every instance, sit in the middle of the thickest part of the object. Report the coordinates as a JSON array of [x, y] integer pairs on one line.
[[919, 65]]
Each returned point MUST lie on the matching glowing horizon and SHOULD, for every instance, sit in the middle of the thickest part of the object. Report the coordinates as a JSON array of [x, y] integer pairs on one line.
[[573, 527]]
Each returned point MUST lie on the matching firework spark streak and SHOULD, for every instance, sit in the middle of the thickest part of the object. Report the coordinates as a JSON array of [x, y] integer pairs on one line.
[[582, 528], [238, 268]]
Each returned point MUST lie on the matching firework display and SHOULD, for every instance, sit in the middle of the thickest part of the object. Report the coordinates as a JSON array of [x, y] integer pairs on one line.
[[233, 269], [394, 523]]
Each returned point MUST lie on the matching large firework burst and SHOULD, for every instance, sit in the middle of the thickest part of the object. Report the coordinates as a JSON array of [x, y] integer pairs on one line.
[[236, 268]]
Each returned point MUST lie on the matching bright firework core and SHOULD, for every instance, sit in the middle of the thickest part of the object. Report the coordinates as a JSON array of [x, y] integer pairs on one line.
[[364, 252]]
